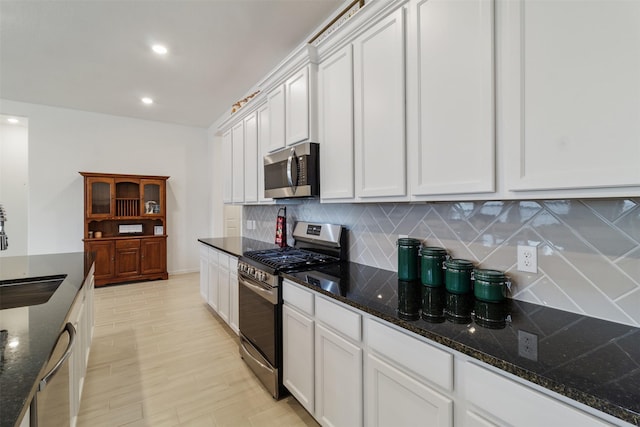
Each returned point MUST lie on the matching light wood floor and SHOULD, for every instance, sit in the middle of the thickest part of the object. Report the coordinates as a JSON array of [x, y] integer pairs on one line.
[[160, 357]]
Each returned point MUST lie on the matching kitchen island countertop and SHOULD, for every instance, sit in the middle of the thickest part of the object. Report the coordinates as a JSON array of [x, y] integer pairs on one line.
[[32, 331]]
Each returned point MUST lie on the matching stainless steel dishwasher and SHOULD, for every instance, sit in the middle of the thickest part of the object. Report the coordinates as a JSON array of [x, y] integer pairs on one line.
[[50, 405]]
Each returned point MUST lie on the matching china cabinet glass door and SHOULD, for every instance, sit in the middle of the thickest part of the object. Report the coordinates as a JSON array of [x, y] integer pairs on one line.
[[152, 197], [100, 194]]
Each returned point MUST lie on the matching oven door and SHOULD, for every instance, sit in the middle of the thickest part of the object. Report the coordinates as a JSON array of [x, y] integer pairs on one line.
[[260, 317]]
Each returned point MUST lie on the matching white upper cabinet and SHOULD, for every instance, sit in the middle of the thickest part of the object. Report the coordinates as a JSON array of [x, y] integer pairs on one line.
[[335, 117], [450, 92], [276, 103], [263, 143], [251, 158], [297, 106], [569, 94], [227, 156], [237, 140], [379, 113]]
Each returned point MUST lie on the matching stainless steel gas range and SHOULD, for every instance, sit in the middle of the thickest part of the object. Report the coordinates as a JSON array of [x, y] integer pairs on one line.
[[260, 295]]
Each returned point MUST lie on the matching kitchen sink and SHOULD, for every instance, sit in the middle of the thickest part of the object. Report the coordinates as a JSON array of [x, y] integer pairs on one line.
[[26, 292]]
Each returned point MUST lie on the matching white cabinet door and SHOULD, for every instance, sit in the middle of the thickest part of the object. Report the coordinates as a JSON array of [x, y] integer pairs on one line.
[[263, 144], [276, 103], [297, 353], [223, 287], [502, 398], [213, 278], [570, 95], [204, 272], [379, 119], [451, 94], [335, 115], [237, 139], [251, 158], [227, 167], [297, 107], [234, 314], [396, 399], [338, 380], [474, 420]]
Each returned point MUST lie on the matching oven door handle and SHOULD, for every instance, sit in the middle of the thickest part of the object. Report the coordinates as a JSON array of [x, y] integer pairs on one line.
[[267, 294], [256, 361]]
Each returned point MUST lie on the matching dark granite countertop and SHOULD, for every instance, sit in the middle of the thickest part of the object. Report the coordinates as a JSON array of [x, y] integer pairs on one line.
[[32, 331], [592, 361], [236, 246]]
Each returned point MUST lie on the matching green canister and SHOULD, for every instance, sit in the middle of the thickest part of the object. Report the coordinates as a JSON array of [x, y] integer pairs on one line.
[[432, 266], [408, 259], [490, 285], [458, 275]]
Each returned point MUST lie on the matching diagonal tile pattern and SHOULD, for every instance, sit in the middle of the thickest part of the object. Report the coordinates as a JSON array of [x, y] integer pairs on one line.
[[588, 250]]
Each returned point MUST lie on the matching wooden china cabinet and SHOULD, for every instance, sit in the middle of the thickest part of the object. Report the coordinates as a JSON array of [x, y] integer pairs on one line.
[[125, 226]]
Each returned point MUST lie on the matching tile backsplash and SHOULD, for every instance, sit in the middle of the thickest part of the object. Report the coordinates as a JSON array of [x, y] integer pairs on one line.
[[588, 250]]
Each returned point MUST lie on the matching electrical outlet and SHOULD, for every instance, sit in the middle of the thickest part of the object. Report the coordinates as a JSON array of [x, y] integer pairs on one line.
[[528, 259], [251, 224], [528, 345]]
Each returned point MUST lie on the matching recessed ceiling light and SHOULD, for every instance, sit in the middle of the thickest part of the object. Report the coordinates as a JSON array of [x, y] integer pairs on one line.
[[13, 121], [147, 100], [159, 49]]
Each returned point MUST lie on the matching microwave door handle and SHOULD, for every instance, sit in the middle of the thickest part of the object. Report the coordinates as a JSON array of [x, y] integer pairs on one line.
[[293, 183]]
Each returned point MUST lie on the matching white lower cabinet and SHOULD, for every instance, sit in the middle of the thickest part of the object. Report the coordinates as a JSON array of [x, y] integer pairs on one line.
[[322, 365], [394, 398], [204, 273], [511, 403], [350, 368], [234, 303], [474, 420], [402, 389], [220, 272], [298, 354], [213, 278], [338, 379], [223, 287]]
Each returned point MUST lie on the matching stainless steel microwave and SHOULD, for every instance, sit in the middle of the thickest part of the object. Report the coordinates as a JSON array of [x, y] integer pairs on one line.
[[292, 172]]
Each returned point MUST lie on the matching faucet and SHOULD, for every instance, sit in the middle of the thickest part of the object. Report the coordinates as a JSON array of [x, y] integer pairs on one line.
[[4, 241]]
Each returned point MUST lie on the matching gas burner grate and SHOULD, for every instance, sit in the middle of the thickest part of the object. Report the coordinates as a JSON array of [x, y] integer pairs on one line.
[[289, 258]]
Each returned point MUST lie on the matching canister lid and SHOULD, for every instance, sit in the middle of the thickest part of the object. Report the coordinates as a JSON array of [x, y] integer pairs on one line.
[[489, 275], [434, 251], [408, 241], [458, 264]]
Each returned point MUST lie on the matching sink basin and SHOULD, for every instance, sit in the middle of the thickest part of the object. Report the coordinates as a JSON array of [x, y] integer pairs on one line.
[[26, 292]]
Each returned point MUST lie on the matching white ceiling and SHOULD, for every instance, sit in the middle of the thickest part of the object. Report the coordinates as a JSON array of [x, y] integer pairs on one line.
[[94, 55]]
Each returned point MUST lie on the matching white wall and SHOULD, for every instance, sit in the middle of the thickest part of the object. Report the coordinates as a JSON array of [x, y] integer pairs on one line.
[[14, 184], [63, 142]]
